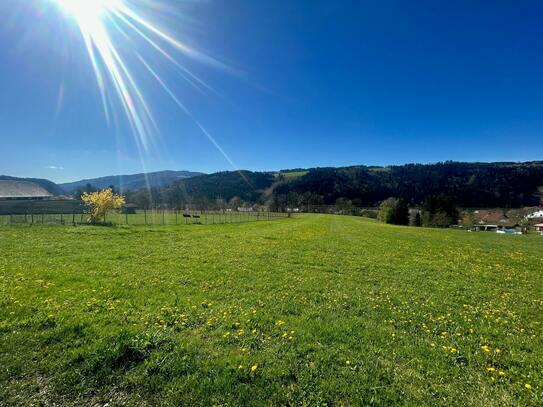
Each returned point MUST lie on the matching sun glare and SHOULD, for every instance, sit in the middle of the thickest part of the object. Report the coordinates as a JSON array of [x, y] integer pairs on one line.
[[86, 11], [97, 21]]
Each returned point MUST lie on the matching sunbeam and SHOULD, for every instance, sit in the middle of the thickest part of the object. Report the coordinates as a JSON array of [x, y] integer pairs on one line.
[[97, 20]]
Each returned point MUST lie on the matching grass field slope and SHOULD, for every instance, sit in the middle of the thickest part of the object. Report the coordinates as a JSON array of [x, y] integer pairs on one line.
[[310, 310]]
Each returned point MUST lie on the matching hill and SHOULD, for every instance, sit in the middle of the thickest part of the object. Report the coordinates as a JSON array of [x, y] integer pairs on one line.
[[311, 310], [466, 184], [131, 182], [247, 185], [49, 186], [507, 185]]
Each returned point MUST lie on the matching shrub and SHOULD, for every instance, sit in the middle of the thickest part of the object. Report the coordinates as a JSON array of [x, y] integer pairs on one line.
[[100, 202]]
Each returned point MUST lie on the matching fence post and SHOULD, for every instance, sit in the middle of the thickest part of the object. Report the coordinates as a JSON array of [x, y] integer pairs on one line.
[[126, 217], [176, 216], [61, 219], [31, 218], [145, 215], [163, 220]]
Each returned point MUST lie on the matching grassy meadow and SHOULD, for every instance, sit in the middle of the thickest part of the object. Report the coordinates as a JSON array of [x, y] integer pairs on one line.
[[309, 310]]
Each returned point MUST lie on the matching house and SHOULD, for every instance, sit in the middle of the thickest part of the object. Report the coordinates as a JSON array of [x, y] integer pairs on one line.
[[484, 228], [244, 209], [535, 215], [489, 217], [504, 228], [22, 190], [539, 227], [129, 209], [510, 229]]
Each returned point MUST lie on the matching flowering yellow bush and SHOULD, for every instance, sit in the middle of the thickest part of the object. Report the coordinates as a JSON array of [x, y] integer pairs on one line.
[[100, 202]]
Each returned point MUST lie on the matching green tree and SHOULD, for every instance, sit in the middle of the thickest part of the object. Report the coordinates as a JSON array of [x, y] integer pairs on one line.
[[394, 211], [415, 219], [439, 212]]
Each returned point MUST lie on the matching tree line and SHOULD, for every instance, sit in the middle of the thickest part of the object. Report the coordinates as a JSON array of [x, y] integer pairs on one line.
[[437, 188]]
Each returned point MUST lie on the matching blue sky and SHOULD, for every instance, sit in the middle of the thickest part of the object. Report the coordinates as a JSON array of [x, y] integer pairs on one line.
[[313, 83]]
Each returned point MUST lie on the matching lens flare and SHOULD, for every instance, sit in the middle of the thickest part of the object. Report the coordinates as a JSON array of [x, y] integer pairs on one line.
[[85, 10], [98, 21]]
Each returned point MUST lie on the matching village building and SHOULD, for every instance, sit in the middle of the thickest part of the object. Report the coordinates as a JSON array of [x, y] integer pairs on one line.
[[538, 214], [22, 190], [495, 221], [129, 209]]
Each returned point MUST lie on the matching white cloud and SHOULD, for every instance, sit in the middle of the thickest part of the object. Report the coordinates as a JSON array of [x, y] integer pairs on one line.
[[55, 167]]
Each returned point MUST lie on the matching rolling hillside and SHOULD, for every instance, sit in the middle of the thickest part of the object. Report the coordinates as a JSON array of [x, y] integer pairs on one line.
[[508, 185], [131, 182], [49, 186]]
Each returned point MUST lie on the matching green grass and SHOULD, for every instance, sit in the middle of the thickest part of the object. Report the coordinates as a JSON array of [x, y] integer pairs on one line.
[[292, 174], [327, 309], [150, 217]]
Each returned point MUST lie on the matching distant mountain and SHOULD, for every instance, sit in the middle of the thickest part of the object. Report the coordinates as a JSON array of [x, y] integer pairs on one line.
[[132, 182], [49, 186]]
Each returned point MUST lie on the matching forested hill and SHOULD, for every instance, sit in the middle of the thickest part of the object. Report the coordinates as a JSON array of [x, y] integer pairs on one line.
[[466, 184]]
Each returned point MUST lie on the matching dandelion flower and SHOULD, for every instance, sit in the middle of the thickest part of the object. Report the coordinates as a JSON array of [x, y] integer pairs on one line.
[[253, 368], [528, 386]]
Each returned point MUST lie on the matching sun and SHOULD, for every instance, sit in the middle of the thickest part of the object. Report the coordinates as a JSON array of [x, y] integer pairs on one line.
[[98, 21], [87, 12]]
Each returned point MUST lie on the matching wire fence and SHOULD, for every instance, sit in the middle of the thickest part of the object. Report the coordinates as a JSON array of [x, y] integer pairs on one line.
[[145, 217]]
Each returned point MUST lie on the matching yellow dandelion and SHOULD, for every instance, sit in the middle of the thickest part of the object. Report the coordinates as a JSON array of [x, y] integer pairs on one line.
[[253, 368], [490, 369], [240, 367], [528, 386], [347, 362], [501, 373]]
